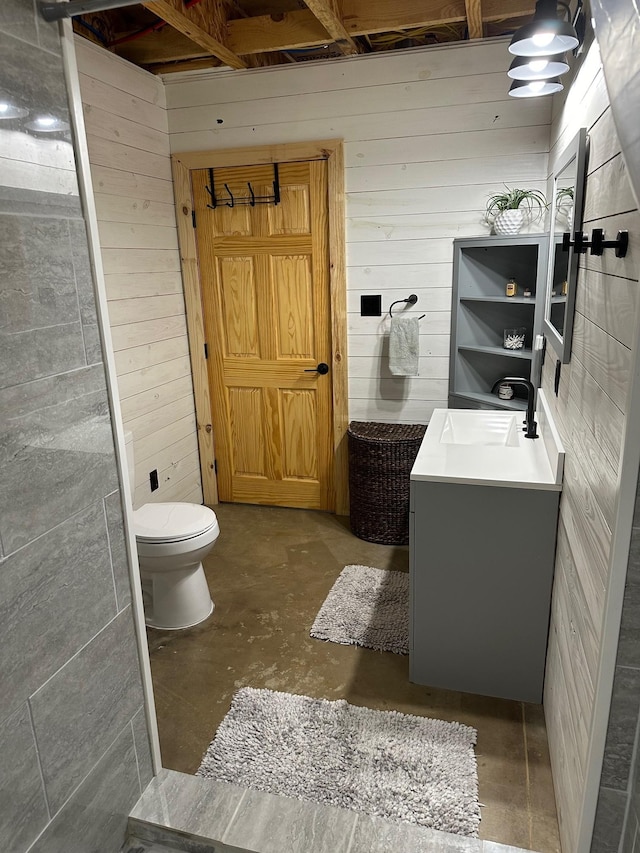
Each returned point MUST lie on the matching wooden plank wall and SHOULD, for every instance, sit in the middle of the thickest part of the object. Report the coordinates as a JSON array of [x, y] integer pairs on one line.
[[591, 411], [126, 121], [429, 134]]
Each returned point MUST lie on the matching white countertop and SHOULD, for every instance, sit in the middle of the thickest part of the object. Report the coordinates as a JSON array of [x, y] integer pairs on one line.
[[527, 464]]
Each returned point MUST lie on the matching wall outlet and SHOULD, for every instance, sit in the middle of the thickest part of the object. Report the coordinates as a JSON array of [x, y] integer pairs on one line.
[[153, 479]]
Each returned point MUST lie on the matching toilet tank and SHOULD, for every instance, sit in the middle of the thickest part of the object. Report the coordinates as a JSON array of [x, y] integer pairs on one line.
[[131, 465]]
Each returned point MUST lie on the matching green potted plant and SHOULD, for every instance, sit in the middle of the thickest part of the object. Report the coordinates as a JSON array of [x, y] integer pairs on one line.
[[564, 205], [507, 211]]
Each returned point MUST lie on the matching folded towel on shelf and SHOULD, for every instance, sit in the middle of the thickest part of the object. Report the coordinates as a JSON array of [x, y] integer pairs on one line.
[[404, 346]]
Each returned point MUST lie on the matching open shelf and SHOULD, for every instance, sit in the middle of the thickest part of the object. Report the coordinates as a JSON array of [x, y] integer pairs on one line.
[[481, 312], [493, 401], [518, 300], [509, 353]]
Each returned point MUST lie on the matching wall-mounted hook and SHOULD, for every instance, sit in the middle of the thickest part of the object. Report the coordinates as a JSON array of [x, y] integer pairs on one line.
[[232, 202], [252, 199], [580, 243], [599, 244]]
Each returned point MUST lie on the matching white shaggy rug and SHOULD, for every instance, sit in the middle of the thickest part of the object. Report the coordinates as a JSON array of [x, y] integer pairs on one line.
[[384, 763], [366, 607]]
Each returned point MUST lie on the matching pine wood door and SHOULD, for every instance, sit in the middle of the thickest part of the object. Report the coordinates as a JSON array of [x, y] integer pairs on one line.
[[265, 284]]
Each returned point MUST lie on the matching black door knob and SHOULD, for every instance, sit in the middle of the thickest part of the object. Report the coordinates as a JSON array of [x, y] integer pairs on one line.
[[322, 368]]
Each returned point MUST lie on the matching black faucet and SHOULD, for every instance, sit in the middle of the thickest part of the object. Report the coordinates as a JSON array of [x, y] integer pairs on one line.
[[530, 424]]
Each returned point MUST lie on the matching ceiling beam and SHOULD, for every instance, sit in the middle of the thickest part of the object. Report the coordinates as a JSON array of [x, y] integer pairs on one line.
[[202, 23], [473, 9], [328, 13], [362, 17], [265, 33], [165, 45]]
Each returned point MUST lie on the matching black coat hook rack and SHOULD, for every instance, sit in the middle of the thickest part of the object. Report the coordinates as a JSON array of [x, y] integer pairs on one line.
[[597, 244], [410, 300], [252, 199]]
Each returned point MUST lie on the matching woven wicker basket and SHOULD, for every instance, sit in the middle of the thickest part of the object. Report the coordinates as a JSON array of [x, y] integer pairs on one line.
[[380, 460]]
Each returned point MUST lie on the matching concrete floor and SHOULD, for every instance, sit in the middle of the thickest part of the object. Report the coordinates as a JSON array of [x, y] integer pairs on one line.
[[269, 573]]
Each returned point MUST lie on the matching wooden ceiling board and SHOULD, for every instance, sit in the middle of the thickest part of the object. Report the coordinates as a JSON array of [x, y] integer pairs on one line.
[[252, 33]]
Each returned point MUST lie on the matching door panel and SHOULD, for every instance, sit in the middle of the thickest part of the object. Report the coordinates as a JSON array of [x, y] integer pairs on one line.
[[265, 285]]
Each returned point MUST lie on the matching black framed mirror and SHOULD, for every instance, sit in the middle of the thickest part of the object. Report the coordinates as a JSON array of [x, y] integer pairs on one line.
[[566, 192]]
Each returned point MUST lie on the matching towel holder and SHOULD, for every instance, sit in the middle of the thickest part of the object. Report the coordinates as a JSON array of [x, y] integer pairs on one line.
[[410, 300]]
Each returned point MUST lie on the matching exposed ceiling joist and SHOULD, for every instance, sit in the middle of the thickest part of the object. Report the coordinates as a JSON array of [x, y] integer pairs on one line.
[[283, 32], [202, 23], [165, 45], [379, 16], [252, 33], [473, 10], [328, 13]]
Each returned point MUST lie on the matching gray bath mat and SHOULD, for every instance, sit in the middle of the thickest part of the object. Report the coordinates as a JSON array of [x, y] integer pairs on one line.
[[366, 607], [384, 763]]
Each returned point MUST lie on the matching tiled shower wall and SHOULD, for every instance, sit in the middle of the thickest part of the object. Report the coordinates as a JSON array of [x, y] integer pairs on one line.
[[620, 780], [74, 750]]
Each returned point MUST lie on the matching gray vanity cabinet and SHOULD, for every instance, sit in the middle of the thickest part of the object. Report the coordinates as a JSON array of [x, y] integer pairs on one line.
[[481, 311], [481, 572]]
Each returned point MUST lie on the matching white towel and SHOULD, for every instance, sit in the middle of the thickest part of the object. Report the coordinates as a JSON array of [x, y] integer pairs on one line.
[[404, 346]]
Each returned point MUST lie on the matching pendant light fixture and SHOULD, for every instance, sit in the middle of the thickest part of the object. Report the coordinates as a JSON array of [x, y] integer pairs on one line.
[[534, 88], [9, 109], [538, 67], [47, 124], [546, 34]]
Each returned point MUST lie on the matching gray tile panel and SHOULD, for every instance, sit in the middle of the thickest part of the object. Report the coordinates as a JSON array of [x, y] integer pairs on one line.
[[55, 594], [86, 294], [23, 808], [26, 202], [84, 705], [607, 829], [48, 34], [34, 75], [375, 835], [143, 750], [623, 720], [92, 343], [38, 285], [188, 804], [82, 271], [21, 402], [629, 638], [94, 819], [272, 824], [55, 459], [33, 354], [17, 18], [117, 549], [154, 839]]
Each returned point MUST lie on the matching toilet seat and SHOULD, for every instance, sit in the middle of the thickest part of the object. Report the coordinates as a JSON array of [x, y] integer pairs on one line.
[[173, 522]]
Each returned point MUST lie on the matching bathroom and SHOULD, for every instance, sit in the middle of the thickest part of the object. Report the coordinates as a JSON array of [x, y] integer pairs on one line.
[[47, 516]]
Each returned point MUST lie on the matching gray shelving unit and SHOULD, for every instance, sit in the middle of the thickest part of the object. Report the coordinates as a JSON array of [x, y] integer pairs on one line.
[[481, 311]]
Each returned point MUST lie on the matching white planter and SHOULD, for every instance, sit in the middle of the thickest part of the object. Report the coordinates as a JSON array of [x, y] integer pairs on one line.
[[508, 222]]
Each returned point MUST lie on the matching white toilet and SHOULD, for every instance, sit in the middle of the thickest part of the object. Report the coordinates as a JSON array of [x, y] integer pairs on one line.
[[173, 539]]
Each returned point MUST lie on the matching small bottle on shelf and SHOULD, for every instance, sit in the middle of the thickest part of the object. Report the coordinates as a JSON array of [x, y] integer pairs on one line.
[[526, 292], [512, 287]]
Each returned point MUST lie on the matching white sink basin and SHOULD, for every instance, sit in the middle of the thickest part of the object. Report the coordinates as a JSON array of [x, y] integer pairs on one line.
[[482, 447], [481, 428]]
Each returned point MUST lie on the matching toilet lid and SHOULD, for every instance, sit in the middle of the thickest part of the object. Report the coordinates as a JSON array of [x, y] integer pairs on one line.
[[172, 522]]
